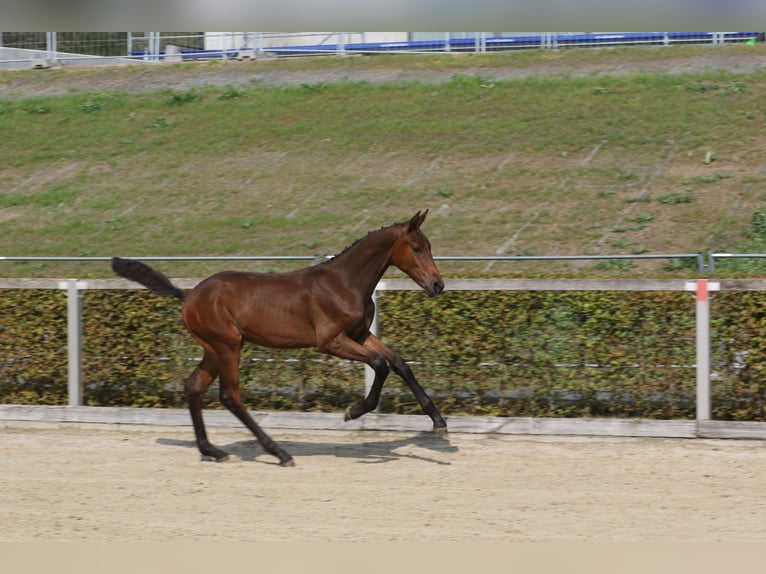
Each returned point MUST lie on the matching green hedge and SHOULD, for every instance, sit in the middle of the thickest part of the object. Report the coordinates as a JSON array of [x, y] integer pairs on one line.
[[544, 353], [536, 353]]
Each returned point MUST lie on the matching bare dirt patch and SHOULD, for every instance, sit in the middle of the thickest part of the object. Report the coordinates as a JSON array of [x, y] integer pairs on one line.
[[75, 482], [438, 68]]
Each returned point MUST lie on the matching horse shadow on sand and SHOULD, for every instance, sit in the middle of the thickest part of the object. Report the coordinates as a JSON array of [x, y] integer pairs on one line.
[[364, 451]]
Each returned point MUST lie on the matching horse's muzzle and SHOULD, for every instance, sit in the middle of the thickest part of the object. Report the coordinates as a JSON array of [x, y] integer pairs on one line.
[[435, 288]]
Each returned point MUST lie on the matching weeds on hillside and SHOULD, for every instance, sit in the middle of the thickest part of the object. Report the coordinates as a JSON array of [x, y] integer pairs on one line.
[[547, 165]]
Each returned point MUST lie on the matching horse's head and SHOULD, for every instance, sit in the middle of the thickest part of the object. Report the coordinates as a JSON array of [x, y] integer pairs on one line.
[[412, 254]]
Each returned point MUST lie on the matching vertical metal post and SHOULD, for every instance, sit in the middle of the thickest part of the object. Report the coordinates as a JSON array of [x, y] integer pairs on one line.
[[227, 40], [703, 350], [156, 46], [369, 374], [152, 50], [701, 267], [51, 46], [258, 44], [74, 342], [549, 40]]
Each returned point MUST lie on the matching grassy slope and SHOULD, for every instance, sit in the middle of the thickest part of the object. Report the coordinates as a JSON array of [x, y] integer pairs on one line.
[[551, 164]]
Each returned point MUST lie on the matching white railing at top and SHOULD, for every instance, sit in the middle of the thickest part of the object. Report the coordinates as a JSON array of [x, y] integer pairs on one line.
[[154, 47]]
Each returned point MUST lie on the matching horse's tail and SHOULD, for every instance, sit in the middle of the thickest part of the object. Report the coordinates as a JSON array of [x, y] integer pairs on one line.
[[146, 276]]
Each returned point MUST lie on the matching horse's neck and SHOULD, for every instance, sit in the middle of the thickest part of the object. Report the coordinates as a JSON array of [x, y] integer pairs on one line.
[[366, 261]]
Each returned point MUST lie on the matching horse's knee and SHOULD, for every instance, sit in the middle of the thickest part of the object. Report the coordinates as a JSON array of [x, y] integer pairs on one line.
[[380, 365]]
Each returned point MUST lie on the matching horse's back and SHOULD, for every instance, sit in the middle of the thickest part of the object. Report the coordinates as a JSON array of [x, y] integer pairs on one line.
[[267, 309]]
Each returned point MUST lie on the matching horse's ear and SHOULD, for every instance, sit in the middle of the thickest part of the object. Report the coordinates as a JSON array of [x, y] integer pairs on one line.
[[417, 220]]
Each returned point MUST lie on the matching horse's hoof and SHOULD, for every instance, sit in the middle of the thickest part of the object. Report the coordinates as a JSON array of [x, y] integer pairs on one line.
[[223, 457], [288, 462], [441, 431], [347, 414]]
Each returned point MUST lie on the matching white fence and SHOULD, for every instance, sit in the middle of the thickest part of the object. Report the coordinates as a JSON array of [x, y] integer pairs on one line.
[[702, 426], [39, 49], [701, 287]]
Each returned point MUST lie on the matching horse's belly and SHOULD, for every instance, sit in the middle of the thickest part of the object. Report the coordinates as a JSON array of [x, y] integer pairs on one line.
[[283, 332], [280, 340]]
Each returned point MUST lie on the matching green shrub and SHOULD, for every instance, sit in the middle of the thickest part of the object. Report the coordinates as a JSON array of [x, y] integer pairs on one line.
[[504, 353]]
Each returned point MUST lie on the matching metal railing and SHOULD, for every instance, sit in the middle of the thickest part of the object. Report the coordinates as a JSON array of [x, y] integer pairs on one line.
[[698, 258], [730, 256], [703, 262]]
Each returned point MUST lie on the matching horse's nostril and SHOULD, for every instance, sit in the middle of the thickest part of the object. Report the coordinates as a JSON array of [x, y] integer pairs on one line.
[[438, 286]]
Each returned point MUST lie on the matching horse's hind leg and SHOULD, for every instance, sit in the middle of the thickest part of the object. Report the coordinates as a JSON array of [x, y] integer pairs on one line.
[[196, 386], [231, 398]]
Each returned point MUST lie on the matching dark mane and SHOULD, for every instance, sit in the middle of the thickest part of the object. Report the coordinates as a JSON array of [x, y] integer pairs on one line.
[[355, 243]]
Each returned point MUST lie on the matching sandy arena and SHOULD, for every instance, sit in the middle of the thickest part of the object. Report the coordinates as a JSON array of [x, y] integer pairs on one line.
[[81, 482]]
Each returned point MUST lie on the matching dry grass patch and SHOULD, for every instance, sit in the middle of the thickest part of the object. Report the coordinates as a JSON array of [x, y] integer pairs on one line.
[[547, 164]]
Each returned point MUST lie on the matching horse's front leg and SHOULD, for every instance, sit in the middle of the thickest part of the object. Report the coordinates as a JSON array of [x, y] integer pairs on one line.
[[402, 369], [371, 401], [345, 347], [374, 353]]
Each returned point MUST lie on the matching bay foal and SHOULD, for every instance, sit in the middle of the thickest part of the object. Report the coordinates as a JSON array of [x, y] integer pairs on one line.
[[327, 306]]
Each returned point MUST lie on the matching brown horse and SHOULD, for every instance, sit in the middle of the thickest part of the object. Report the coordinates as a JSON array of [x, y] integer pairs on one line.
[[328, 306]]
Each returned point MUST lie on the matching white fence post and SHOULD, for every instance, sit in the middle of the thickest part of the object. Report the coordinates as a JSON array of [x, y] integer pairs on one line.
[[702, 288], [369, 374], [74, 341], [703, 350], [51, 46]]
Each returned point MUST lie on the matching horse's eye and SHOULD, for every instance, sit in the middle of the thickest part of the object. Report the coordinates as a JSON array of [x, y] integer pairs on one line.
[[417, 248]]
